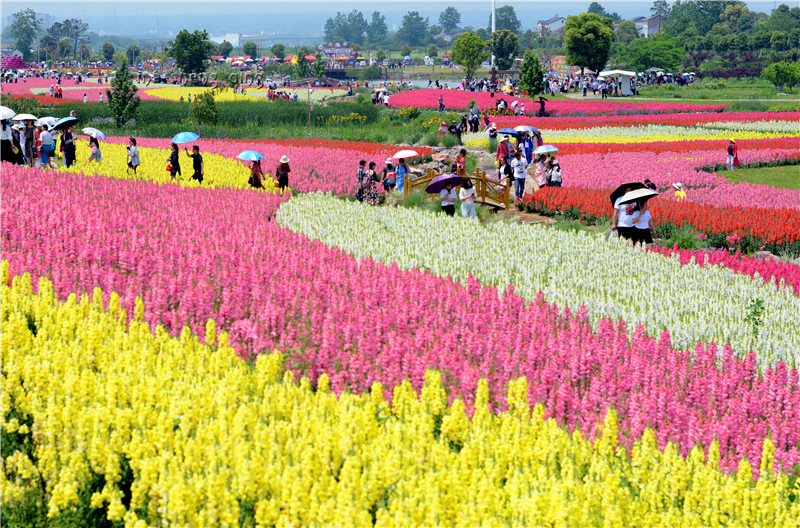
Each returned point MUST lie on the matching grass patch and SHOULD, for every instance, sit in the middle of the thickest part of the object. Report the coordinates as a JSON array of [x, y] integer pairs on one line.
[[787, 177]]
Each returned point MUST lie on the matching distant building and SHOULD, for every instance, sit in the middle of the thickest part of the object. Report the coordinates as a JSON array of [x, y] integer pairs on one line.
[[553, 24], [652, 25], [233, 38], [451, 36], [639, 21], [47, 20]]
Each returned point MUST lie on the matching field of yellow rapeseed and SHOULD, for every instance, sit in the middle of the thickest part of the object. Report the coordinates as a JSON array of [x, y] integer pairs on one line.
[[219, 170], [184, 433]]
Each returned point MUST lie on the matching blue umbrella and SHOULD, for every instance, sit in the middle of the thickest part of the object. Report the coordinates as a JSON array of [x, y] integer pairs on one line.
[[545, 149], [509, 131], [249, 155], [65, 123], [185, 137], [438, 183]]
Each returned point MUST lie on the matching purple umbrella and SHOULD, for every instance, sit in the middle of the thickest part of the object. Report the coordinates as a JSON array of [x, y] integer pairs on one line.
[[437, 184]]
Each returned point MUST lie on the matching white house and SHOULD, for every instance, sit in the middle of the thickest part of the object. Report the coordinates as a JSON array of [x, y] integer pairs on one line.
[[639, 21], [652, 25], [553, 24]]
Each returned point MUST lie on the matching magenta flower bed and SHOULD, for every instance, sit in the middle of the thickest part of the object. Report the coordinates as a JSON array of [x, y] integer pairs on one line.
[[70, 89], [458, 100], [767, 269], [601, 171], [195, 254]]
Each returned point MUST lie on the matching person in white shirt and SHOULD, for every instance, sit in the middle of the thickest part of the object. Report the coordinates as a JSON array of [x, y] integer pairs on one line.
[[554, 174], [622, 221], [45, 140], [519, 165], [641, 224], [133, 155], [448, 197], [467, 196]]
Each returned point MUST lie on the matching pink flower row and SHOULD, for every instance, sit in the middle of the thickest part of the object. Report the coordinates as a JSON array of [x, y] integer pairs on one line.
[[459, 100], [686, 119], [313, 168], [768, 269], [75, 91], [599, 171], [195, 254]]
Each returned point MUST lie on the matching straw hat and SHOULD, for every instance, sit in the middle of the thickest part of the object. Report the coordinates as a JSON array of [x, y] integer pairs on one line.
[[505, 138], [285, 159], [733, 140], [388, 161], [678, 186]]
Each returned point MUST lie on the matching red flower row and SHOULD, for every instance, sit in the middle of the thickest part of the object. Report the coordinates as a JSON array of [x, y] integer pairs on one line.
[[677, 147]]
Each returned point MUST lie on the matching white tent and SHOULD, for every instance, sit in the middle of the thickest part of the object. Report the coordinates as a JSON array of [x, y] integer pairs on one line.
[[625, 78]]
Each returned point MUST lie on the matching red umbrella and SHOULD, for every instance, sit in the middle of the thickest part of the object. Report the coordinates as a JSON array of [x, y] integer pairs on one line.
[[310, 58]]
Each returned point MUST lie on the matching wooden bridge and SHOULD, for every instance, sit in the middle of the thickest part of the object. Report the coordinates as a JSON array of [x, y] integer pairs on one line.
[[489, 192]]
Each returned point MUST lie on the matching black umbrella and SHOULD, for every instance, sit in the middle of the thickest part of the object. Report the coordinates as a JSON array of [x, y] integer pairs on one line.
[[637, 195], [65, 123], [620, 191], [543, 99], [508, 131]]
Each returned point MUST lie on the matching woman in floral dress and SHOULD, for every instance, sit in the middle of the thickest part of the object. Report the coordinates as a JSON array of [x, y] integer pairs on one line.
[[371, 196]]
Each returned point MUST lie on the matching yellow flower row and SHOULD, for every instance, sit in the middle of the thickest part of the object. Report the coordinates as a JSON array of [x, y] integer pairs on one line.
[[206, 434], [175, 93], [219, 170]]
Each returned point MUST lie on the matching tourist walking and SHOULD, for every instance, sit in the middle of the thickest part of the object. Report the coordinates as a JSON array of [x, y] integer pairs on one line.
[[362, 180], [622, 221], [133, 155], [256, 173], [68, 146], [30, 151], [197, 163], [641, 224], [94, 151], [554, 174], [519, 165], [448, 198], [174, 160], [540, 175], [733, 155], [389, 176], [282, 173], [400, 172], [467, 195], [461, 162], [371, 196], [6, 146], [502, 149]]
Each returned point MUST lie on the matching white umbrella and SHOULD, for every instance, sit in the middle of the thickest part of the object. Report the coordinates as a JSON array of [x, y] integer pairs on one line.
[[6, 112], [89, 131], [638, 194], [24, 117], [49, 121], [527, 128], [514, 104], [405, 154], [545, 149]]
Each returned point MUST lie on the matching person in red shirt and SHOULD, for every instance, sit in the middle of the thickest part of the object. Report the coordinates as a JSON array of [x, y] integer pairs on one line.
[[502, 149]]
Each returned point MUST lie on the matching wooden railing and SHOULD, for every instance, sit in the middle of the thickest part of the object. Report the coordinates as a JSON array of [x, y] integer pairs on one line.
[[489, 191]]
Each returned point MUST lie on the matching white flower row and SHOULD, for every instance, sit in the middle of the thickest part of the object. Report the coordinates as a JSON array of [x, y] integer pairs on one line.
[[610, 277]]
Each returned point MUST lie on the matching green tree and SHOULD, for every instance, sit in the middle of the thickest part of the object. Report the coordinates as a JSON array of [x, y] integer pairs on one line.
[[414, 30], [228, 76], [405, 50], [506, 19], [531, 75], [469, 50], [133, 53], [190, 50], [250, 48], [782, 74], [278, 50], [505, 46], [660, 7], [63, 49], [380, 56], [626, 32], [318, 67], [377, 29], [301, 69], [122, 99], [588, 40], [224, 48], [23, 30], [779, 41], [433, 51], [74, 30], [794, 38], [108, 51], [205, 110], [781, 19], [449, 19], [661, 51]]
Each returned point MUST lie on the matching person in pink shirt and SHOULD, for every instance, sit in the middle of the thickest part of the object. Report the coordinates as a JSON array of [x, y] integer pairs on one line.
[[540, 176], [502, 149]]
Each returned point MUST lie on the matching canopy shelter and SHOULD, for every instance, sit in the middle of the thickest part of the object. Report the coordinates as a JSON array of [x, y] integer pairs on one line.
[[623, 77]]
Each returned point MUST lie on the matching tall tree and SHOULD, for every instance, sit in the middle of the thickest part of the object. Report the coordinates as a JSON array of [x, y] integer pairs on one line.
[[449, 19], [301, 68], [122, 99], [250, 48], [505, 46], [433, 51], [132, 54], [782, 74], [661, 51], [278, 50], [660, 7], [599, 10], [224, 48], [414, 30], [709, 11], [356, 27], [74, 30], [506, 19], [531, 75], [205, 110], [469, 50], [318, 67], [23, 30], [626, 32], [190, 50], [108, 51], [377, 28], [588, 40]]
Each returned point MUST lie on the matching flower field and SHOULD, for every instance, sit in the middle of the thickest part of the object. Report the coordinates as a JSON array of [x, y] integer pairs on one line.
[[184, 354], [174, 93]]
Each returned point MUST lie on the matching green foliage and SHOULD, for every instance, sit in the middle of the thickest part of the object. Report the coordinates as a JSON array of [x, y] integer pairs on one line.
[[377, 29], [405, 50], [755, 313], [278, 50], [469, 50], [626, 32], [250, 48], [531, 74], [449, 141], [23, 30], [346, 27], [588, 40], [73, 30], [318, 67], [21, 105], [415, 29], [685, 237], [108, 51], [449, 19], [381, 55], [205, 110], [661, 51], [506, 19], [191, 50], [224, 48], [505, 46], [599, 10], [122, 99], [368, 73], [133, 53], [782, 74], [433, 51]]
